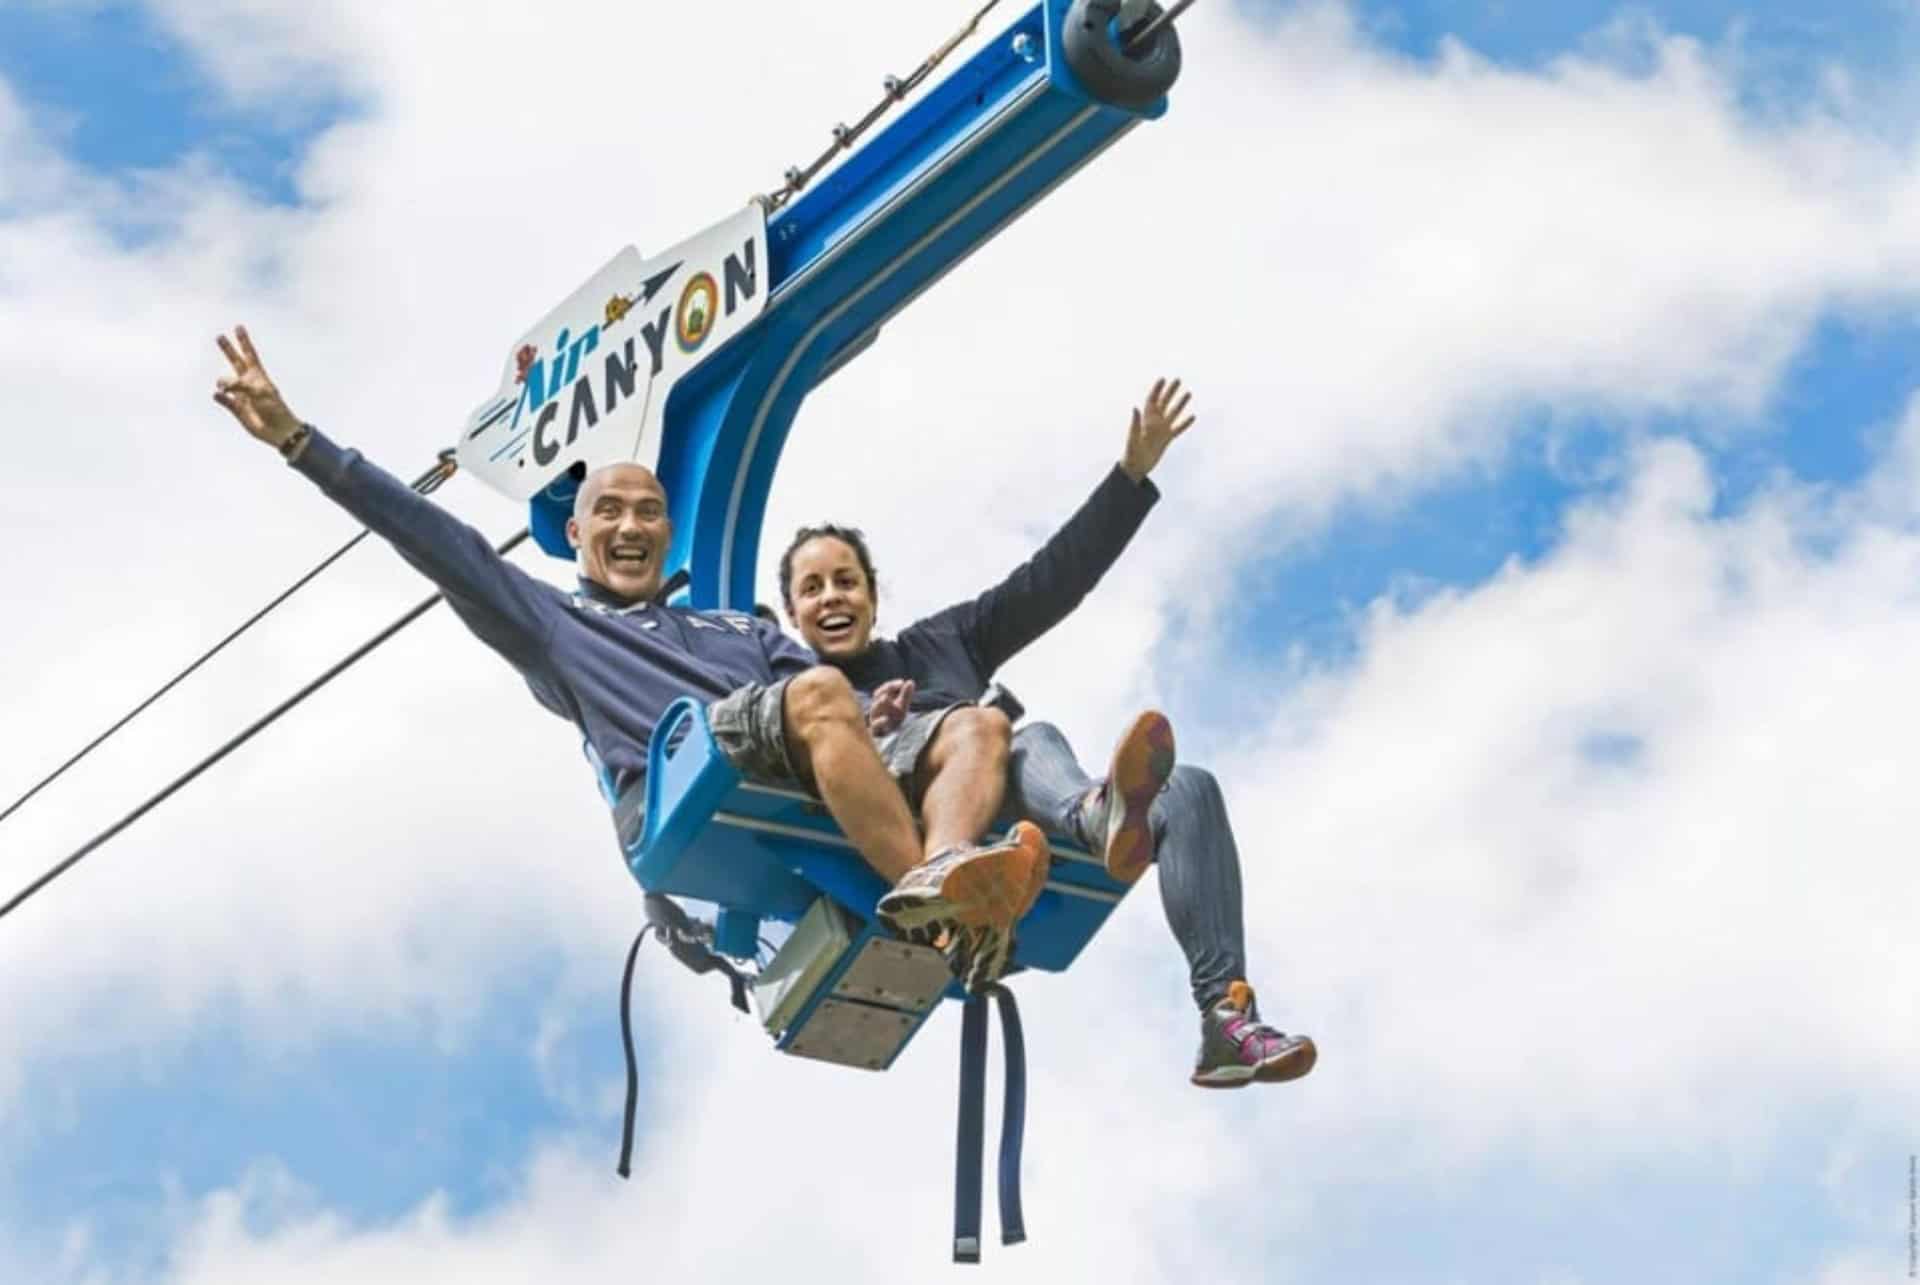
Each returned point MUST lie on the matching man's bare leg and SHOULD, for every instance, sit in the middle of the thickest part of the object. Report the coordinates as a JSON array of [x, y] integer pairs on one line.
[[966, 772], [828, 740]]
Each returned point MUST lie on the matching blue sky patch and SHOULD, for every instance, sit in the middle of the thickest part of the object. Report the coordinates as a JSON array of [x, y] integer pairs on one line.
[[1781, 44], [370, 1125], [1835, 410], [1847, 390], [116, 93], [1453, 535]]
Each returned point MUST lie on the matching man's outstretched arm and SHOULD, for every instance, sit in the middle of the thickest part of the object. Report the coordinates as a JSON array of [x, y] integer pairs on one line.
[[509, 610], [1042, 591]]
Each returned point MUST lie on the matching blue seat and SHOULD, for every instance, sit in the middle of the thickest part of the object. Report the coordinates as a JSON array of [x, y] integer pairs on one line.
[[761, 852]]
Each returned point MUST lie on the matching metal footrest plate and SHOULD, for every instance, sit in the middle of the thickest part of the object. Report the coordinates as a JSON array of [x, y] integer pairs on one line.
[[853, 1034], [895, 974]]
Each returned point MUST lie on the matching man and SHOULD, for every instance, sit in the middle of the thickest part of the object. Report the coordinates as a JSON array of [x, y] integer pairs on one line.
[[611, 657], [1146, 808]]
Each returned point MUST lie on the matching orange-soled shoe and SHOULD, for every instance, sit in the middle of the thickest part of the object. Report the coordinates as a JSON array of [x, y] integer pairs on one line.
[[990, 887], [1115, 817]]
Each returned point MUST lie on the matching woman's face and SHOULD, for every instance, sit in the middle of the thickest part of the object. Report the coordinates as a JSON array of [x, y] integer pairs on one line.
[[829, 599]]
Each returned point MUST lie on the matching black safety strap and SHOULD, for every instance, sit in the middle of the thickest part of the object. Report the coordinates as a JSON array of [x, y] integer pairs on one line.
[[1013, 1119], [973, 1128], [686, 942], [969, 1159], [625, 1167]]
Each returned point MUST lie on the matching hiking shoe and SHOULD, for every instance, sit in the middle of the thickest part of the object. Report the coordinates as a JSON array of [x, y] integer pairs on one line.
[[1237, 1048], [1037, 882], [970, 887], [1113, 818]]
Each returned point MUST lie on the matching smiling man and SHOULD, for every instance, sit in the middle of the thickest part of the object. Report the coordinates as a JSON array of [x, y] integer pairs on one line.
[[612, 656]]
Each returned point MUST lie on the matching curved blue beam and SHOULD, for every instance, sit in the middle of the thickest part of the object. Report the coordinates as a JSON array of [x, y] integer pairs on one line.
[[953, 170]]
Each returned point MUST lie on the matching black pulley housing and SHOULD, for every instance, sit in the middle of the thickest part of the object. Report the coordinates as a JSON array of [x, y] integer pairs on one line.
[[1133, 79]]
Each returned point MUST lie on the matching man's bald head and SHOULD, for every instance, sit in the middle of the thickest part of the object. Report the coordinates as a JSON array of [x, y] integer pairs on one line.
[[619, 530], [622, 475]]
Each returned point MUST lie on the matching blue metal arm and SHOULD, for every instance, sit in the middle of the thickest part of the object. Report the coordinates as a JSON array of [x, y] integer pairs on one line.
[[953, 170]]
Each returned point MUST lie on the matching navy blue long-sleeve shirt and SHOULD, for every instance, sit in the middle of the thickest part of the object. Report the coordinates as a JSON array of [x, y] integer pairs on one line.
[[953, 654], [608, 666]]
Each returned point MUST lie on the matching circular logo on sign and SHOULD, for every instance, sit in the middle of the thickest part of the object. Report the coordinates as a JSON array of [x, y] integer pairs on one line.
[[699, 306]]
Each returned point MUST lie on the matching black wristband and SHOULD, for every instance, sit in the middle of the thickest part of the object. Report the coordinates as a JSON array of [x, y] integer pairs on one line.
[[295, 443]]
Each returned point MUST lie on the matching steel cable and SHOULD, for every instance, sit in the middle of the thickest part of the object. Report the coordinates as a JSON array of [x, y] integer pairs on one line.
[[260, 724], [426, 484]]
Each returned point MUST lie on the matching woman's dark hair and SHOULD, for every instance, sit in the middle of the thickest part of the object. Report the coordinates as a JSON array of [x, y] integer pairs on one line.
[[849, 536]]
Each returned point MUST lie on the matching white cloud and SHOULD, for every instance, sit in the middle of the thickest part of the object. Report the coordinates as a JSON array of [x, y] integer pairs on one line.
[[1866, 1267], [1672, 945]]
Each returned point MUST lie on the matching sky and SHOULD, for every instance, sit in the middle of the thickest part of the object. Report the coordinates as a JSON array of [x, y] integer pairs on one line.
[[1541, 580]]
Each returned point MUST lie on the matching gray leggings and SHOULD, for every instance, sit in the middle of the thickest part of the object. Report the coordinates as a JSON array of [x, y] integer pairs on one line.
[[1199, 862]]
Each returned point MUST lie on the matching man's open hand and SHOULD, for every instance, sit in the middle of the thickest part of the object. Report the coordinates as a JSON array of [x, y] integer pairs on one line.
[[1154, 428], [251, 396]]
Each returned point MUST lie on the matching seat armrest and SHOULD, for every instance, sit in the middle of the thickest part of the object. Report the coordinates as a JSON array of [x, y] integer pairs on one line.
[[683, 789]]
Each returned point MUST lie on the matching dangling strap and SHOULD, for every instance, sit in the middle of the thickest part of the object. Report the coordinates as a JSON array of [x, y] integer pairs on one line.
[[1013, 1118], [970, 1152], [686, 940], [625, 1167], [683, 937], [973, 1128]]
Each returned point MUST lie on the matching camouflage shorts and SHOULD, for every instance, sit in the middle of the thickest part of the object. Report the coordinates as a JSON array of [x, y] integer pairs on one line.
[[903, 748], [750, 727]]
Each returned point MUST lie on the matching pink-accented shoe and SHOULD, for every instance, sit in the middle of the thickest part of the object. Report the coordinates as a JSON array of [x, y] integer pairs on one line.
[[1237, 1048]]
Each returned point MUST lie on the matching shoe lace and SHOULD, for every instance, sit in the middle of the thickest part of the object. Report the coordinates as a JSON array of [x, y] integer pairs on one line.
[[964, 946], [1088, 803]]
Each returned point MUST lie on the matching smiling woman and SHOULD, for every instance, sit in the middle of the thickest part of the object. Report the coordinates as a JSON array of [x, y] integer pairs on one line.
[[831, 589], [1144, 811]]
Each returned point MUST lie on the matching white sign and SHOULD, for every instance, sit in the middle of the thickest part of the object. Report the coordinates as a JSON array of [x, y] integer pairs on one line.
[[589, 384]]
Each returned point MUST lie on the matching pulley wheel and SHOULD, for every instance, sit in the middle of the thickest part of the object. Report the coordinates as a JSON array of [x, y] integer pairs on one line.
[[1134, 79]]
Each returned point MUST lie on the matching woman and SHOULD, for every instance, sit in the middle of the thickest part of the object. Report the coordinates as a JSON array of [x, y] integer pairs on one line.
[[1145, 808]]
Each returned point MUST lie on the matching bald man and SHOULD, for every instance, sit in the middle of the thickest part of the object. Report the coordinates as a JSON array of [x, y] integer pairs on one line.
[[611, 657]]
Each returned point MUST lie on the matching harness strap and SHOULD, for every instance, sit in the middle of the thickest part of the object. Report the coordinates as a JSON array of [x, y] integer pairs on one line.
[[1013, 1118], [969, 1158], [625, 1167], [973, 1127], [682, 936], [686, 940]]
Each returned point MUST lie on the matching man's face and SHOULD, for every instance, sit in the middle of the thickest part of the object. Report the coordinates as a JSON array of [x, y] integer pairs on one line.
[[830, 601], [619, 530]]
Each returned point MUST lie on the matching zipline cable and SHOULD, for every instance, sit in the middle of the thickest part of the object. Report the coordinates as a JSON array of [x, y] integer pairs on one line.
[[795, 180], [242, 738], [896, 89], [1141, 35], [426, 484]]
